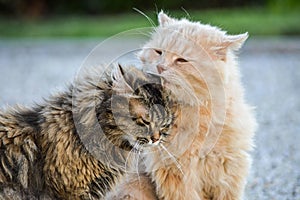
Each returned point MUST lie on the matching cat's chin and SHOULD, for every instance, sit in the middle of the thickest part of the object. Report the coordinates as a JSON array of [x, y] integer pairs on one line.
[[136, 147], [150, 145]]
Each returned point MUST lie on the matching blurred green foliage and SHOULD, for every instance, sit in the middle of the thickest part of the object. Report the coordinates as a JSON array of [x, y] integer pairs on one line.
[[46, 8], [283, 5], [256, 21], [102, 18], [38, 8]]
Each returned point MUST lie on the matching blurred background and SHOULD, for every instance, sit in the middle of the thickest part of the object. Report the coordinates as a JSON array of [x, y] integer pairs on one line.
[[97, 18], [43, 43]]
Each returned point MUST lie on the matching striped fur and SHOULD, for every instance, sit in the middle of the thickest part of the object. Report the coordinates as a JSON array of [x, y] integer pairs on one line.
[[45, 152]]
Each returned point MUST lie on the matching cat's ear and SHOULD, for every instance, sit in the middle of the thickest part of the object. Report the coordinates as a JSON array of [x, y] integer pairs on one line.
[[164, 19], [119, 80], [235, 42], [229, 42]]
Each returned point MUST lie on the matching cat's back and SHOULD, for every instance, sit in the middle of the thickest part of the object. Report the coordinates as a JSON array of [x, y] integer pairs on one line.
[[18, 152]]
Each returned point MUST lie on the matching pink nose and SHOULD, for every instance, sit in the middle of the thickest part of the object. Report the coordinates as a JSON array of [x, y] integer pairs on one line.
[[160, 68], [155, 136], [154, 139]]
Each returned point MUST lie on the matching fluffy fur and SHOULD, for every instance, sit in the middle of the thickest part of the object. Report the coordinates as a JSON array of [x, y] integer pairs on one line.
[[208, 154], [79, 143]]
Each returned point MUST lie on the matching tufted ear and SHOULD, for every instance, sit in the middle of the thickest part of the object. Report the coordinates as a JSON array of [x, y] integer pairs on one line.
[[229, 42], [119, 81], [164, 19]]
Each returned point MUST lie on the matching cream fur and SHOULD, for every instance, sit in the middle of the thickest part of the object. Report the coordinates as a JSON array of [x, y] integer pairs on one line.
[[214, 131]]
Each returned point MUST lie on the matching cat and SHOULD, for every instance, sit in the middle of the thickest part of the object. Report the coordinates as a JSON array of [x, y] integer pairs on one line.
[[213, 134], [79, 143]]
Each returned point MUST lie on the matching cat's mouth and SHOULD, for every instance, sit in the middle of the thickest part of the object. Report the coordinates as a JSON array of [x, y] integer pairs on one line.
[[148, 142], [140, 143]]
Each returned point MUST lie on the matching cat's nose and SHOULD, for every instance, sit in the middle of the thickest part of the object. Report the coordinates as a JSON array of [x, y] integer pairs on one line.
[[160, 69], [155, 137]]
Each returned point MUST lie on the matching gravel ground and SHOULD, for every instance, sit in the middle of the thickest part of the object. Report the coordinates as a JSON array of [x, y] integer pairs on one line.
[[32, 69]]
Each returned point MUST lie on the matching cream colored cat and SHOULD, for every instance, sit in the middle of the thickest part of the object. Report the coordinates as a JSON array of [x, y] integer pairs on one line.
[[207, 154]]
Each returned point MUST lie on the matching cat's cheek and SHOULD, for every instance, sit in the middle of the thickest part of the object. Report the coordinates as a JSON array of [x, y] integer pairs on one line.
[[150, 68], [171, 133], [144, 56], [128, 140], [148, 65], [147, 56]]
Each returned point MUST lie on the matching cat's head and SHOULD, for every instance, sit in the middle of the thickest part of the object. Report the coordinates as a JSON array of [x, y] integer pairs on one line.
[[138, 112], [191, 51]]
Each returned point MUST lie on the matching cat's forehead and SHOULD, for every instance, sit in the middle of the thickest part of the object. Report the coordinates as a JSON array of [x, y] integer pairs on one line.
[[147, 110], [185, 33], [176, 43], [138, 108]]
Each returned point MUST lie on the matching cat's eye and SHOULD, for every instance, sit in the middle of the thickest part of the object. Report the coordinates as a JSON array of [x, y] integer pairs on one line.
[[181, 60], [166, 126], [159, 52], [164, 133], [141, 122], [145, 121]]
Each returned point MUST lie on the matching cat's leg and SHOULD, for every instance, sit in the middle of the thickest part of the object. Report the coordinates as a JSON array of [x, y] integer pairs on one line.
[[168, 184], [133, 187], [224, 176], [19, 167], [174, 184]]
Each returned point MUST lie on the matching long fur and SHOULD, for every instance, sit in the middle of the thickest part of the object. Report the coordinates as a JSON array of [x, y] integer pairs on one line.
[[71, 146], [208, 154]]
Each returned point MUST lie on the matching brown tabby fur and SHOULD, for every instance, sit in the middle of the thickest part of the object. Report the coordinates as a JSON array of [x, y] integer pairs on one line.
[[43, 151]]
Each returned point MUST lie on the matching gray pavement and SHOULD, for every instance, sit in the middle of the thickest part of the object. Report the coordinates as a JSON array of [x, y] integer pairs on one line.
[[32, 69]]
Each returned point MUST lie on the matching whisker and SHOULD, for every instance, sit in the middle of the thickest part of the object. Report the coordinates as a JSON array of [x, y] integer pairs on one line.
[[165, 141], [173, 158], [127, 159], [186, 12], [154, 73], [144, 34], [177, 80], [148, 18], [137, 164], [159, 148]]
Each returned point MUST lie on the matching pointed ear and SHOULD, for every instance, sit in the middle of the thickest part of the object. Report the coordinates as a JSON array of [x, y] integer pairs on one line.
[[235, 42], [229, 42], [164, 19], [119, 81]]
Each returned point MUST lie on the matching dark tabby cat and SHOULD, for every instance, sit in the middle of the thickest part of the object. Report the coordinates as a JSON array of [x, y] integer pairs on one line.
[[77, 144]]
